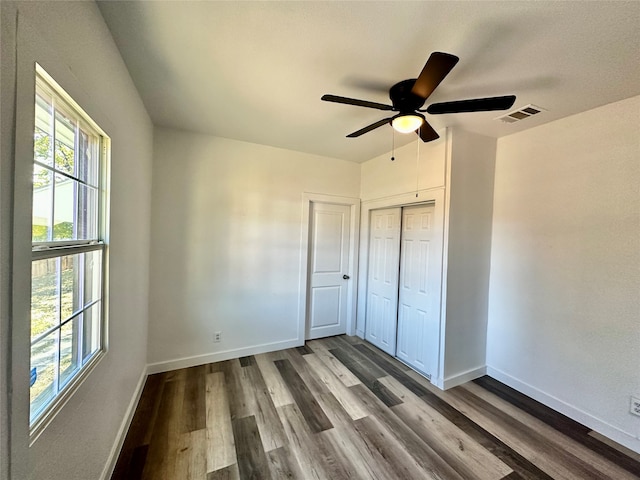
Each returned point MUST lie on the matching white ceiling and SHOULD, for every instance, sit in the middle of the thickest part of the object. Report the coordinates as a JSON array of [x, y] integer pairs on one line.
[[255, 71]]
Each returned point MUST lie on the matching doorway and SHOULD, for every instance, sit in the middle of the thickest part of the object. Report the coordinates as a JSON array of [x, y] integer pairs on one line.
[[328, 266]]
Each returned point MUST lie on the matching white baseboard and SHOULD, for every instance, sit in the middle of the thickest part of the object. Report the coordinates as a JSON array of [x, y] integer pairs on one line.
[[586, 419], [187, 362], [124, 428], [463, 377]]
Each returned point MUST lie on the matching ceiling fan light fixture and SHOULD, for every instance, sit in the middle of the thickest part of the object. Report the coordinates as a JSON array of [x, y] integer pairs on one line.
[[407, 122]]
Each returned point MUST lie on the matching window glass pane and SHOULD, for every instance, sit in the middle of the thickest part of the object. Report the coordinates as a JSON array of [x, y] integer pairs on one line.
[[72, 267], [92, 276], [88, 158], [42, 148], [65, 208], [42, 204], [69, 349], [45, 294], [87, 215], [91, 331], [43, 359], [65, 144]]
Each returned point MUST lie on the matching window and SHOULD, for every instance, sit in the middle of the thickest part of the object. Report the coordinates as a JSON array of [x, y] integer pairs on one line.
[[68, 248]]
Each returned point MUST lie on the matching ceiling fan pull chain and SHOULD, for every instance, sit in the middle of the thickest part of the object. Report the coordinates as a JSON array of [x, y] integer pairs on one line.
[[393, 144], [418, 162]]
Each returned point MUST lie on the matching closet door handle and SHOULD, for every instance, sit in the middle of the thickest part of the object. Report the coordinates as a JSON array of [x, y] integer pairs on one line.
[[346, 277]]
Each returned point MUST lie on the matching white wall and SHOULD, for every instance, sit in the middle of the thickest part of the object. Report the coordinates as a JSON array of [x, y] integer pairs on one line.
[[564, 314], [225, 254], [74, 45], [468, 247], [383, 178]]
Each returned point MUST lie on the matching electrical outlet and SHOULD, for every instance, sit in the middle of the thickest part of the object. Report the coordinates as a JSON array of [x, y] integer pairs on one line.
[[635, 406], [217, 337]]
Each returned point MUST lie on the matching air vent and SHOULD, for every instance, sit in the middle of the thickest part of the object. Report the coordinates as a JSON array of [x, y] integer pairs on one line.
[[521, 113]]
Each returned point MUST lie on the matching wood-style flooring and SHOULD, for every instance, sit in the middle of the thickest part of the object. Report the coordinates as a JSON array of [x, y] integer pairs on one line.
[[338, 408]]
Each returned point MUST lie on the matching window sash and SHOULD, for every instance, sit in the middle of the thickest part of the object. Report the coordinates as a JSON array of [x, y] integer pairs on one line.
[[80, 337]]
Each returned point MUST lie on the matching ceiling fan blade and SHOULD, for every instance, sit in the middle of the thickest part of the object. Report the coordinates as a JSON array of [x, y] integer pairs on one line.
[[368, 128], [437, 67], [473, 105], [427, 133], [354, 101]]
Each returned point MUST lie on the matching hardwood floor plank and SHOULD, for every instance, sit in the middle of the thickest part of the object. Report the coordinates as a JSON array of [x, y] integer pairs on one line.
[[347, 339], [247, 361], [333, 364], [140, 429], [345, 438], [337, 463], [283, 464], [558, 463], [554, 437], [616, 446], [304, 350], [252, 460], [313, 414], [277, 389], [454, 446], [391, 368], [348, 355], [512, 476], [218, 366], [191, 456], [240, 404], [422, 453], [228, 473], [221, 450], [347, 399], [559, 422], [194, 403], [377, 438], [269, 425], [160, 464], [309, 377], [367, 375], [136, 467], [302, 447], [437, 399]]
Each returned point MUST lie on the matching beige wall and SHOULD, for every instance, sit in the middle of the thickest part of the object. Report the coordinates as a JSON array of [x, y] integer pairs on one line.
[[225, 254], [92, 71], [564, 316]]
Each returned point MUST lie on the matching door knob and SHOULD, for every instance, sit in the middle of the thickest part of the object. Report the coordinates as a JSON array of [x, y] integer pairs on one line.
[[346, 277]]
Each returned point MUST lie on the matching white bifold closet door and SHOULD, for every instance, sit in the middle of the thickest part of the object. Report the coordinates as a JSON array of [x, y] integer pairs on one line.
[[382, 285], [403, 315], [419, 287]]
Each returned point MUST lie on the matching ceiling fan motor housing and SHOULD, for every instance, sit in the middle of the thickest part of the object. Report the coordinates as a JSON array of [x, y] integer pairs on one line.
[[402, 99]]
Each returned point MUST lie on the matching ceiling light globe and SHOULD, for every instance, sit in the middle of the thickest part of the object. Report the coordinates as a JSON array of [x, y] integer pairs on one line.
[[407, 123]]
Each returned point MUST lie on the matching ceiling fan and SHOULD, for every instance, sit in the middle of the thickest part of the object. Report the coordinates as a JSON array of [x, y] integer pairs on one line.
[[408, 96]]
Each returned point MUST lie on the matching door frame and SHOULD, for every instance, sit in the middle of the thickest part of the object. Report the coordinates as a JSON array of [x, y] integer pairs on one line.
[[431, 195], [354, 236]]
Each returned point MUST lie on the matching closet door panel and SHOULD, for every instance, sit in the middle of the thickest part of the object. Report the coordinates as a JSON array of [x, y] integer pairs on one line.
[[418, 320], [382, 284]]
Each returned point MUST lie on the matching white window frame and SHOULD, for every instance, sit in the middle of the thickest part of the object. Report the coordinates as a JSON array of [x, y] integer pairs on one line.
[[42, 250]]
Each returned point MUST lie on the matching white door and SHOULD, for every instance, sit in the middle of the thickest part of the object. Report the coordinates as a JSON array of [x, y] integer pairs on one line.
[[382, 284], [418, 302], [328, 267]]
